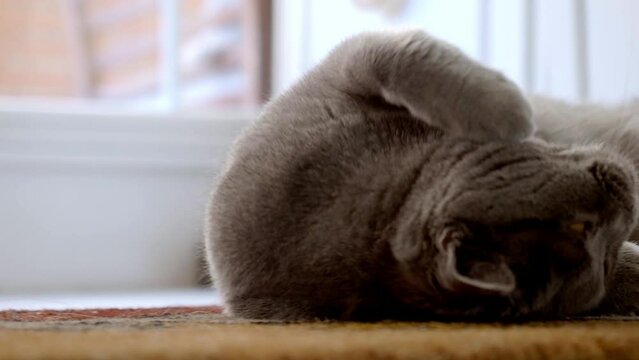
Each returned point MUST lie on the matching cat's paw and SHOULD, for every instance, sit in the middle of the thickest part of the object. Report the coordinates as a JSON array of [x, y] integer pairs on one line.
[[494, 108], [435, 81], [622, 297]]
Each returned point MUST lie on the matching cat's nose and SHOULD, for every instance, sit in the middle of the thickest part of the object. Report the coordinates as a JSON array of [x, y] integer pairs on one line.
[[569, 255], [607, 267]]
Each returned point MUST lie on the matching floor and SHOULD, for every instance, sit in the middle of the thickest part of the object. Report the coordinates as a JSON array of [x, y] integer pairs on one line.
[[138, 299]]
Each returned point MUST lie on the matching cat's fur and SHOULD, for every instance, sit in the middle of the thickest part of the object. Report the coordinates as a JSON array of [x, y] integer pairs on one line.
[[615, 128], [394, 181]]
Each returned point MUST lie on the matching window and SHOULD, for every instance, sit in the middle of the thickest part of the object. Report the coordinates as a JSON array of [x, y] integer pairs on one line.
[[115, 115], [139, 54]]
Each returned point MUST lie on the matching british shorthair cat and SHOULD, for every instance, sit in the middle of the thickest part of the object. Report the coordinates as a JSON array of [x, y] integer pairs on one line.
[[401, 179]]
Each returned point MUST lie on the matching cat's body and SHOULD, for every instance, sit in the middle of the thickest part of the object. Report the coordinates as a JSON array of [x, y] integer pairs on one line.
[[392, 182]]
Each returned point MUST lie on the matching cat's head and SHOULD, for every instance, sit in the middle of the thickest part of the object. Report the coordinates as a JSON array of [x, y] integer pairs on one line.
[[527, 230]]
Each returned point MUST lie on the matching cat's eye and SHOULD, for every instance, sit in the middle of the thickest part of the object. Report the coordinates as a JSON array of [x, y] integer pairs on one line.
[[577, 226], [583, 228]]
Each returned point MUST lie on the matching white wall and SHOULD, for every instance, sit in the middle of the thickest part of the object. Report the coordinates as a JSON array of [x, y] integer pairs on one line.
[[534, 42], [106, 202], [614, 49], [306, 30]]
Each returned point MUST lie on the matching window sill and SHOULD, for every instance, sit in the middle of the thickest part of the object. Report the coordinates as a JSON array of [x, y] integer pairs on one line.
[[112, 140], [106, 201]]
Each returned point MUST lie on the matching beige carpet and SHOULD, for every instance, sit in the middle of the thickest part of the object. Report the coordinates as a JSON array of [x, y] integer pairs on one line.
[[205, 333]]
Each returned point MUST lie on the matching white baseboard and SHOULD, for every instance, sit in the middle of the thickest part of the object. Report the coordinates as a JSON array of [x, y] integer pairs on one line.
[[111, 300]]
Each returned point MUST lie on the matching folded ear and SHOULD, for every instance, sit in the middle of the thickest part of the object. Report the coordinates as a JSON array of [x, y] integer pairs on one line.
[[480, 273], [616, 181]]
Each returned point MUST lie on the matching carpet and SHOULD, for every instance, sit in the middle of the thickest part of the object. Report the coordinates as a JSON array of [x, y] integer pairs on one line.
[[207, 333]]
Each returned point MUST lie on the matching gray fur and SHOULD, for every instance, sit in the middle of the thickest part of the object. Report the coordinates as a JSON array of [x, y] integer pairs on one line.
[[394, 181]]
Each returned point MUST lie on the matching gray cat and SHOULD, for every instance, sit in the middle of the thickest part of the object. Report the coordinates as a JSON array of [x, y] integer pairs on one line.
[[397, 180]]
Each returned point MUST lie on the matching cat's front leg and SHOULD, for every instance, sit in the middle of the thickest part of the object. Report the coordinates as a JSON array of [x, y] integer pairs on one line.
[[622, 297], [435, 81]]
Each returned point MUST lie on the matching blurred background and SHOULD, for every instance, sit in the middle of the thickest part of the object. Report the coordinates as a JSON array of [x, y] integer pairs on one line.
[[141, 54], [115, 115]]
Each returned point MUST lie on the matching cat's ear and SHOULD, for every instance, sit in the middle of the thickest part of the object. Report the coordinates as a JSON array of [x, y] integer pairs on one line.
[[466, 272], [617, 182]]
